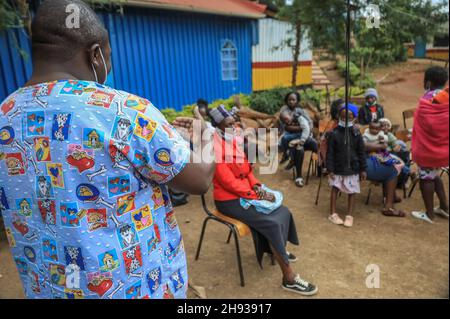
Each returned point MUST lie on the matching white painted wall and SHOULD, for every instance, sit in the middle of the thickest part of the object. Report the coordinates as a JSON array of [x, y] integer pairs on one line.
[[271, 34]]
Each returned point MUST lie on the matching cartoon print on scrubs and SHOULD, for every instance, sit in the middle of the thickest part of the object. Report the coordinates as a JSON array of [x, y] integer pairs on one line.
[[35, 123], [101, 98], [79, 158], [136, 103], [108, 261], [83, 169], [93, 138], [47, 208], [133, 291], [126, 203], [142, 218], [132, 258], [97, 219], [145, 127], [55, 171], [57, 274], [15, 164], [74, 87], [122, 130], [61, 125], [118, 185], [7, 105], [99, 282], [50, 252], [44, 187], [127, 236], [23, 206], [42, 149], [69, 214]]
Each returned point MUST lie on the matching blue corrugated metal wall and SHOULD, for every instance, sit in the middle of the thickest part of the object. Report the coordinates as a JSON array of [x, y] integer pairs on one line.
[[15, 61], [171, 58]]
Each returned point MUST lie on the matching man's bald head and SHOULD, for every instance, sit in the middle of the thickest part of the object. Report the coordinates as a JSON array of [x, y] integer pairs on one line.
[[52, 38]]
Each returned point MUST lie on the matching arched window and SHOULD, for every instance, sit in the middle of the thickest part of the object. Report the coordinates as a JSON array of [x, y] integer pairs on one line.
[[228, 55]]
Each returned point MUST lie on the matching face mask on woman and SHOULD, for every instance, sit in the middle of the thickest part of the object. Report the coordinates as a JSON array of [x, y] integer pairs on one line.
[[342, 123], [229, 134]]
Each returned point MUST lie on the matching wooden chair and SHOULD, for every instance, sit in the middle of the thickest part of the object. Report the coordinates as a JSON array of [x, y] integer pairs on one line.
[[321, 165], [407, 114], [237, 229], [313, 166], [395, 128]]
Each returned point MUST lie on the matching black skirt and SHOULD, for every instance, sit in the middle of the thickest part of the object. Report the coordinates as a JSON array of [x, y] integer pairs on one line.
[[276, 228]]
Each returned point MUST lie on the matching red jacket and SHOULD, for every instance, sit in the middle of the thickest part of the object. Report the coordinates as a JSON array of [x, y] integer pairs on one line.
[[232, 180]]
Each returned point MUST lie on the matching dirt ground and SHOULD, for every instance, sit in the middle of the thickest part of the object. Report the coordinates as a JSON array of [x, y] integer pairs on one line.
[[413, 257]]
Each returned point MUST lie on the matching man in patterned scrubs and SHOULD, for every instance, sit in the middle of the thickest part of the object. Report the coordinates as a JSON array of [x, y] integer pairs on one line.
[[83, 173]]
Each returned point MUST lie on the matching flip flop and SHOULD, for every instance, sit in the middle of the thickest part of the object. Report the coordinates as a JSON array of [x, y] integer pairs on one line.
[[390, 212], [423, 216]]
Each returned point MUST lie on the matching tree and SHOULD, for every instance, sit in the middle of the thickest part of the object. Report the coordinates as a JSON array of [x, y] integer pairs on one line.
[[306, 18], [401, 21]]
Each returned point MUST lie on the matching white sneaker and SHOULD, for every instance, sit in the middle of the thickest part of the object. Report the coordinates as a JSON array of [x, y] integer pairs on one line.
[[439, 211], [423, 216]]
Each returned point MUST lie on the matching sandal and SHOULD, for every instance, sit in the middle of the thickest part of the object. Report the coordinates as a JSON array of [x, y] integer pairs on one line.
[[391, 212], [335, 219]]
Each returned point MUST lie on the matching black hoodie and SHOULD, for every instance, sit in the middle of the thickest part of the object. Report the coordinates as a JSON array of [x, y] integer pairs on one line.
[[336, 160]]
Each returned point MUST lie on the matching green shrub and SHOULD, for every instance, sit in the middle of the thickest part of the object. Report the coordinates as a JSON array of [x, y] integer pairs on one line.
[[313, 96], [354, 71], [353, 91], [366, 82], [269, 101]]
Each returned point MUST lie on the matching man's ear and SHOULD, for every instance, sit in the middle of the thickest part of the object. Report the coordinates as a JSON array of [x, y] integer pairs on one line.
[[94, 54]]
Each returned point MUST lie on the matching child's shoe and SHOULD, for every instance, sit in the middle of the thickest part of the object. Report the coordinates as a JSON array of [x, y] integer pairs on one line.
[[335, 219], [348, 221]]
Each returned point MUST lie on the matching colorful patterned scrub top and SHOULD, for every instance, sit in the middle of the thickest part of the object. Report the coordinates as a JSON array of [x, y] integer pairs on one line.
[[83, 169]]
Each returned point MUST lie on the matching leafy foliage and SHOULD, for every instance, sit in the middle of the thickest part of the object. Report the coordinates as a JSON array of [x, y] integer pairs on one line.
[[401, 21], [269, 101]]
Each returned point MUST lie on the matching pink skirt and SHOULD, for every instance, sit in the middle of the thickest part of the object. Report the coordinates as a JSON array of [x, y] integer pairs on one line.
[[346, 184]]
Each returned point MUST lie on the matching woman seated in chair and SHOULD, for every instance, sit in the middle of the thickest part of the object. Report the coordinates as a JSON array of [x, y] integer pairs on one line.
[[298, 137], [383, 172], [398, 148], [234, 182]]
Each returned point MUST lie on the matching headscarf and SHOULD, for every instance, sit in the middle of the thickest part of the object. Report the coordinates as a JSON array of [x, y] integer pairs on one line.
[[351, 108], [219, 114]]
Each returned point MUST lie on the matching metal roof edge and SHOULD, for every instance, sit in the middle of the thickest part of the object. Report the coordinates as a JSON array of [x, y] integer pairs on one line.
[[137, 3]]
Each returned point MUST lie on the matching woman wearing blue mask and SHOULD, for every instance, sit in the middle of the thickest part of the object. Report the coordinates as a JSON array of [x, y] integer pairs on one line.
[[345, 165]]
